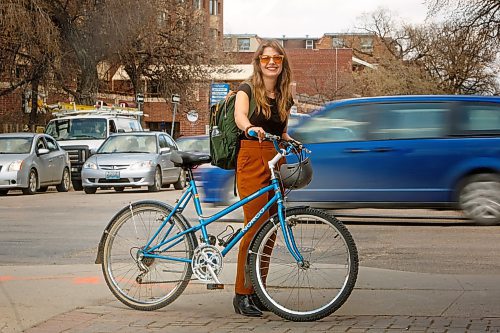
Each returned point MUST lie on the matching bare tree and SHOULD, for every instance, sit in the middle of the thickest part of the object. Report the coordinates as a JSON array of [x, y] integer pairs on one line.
[[477, 15], [170, 51], [439, 57], [28, 43]]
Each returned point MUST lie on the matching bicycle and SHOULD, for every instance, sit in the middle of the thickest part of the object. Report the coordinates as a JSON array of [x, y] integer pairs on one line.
[[149, 251]]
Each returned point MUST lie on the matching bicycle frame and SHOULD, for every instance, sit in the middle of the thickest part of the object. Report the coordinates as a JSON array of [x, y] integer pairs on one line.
[[192, 193]]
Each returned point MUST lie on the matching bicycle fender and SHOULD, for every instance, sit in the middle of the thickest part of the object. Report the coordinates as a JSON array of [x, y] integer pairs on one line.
[[100, 247]]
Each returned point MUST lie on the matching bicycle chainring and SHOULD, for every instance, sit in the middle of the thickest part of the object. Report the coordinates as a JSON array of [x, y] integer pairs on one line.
[[206, 258]]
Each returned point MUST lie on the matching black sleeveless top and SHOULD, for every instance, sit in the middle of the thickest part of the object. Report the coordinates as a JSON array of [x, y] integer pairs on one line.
[[273, 125]]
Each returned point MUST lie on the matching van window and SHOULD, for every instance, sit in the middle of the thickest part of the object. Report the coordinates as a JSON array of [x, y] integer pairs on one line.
[[410, 121], [342, 124], [127, 125], [480, 118]]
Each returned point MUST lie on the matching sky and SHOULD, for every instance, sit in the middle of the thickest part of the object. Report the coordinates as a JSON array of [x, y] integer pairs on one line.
[[313, 18]]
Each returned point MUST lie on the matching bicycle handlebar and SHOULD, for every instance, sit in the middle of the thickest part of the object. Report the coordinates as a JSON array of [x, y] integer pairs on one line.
[[290, 144]]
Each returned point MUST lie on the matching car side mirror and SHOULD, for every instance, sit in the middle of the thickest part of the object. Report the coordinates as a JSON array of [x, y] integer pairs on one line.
[[43, 151], [165, 150]]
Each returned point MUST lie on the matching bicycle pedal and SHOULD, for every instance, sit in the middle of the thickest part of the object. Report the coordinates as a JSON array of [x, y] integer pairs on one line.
[[215, 286]]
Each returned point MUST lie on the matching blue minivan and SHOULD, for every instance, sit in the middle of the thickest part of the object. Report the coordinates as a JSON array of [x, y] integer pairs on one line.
[[405, 151]]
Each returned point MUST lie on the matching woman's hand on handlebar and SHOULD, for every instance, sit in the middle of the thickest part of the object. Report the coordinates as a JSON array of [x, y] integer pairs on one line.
[[257, 132]]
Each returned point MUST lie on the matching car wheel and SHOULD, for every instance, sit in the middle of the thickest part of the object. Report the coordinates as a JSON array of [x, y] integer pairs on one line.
[[90, 190], [119, 189], [479, 199], [43, 189], [4, 192], [157, 182], [77, 185], [166, 185], [65, 182], [181, 182], [32, 183]]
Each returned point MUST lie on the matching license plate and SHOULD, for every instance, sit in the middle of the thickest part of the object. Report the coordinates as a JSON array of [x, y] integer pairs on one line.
[[112, 174]]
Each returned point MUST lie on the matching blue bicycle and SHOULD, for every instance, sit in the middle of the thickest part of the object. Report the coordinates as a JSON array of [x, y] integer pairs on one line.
[[303, 262]]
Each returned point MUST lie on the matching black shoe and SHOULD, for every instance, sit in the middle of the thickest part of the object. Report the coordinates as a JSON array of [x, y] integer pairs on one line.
[[257, 302], [243, 305]]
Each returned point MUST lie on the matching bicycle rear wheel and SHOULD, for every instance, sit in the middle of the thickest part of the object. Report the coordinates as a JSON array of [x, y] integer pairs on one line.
[[146, 283], [322, 284]]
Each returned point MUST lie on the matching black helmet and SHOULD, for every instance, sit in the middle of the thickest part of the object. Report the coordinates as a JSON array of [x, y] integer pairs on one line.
[[296, 175]]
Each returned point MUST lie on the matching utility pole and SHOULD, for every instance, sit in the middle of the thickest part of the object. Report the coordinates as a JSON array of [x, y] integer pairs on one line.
[[176, 99]]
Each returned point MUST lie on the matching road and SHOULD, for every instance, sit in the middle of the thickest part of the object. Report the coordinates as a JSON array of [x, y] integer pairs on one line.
[[48, 244], [65, 228]]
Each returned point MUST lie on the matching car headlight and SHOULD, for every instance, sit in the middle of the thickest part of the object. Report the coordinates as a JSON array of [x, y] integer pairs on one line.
[[141, 165], [15, 166], [90, 165]]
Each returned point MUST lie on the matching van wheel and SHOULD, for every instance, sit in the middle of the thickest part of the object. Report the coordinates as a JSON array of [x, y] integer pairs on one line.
[[181, 182], [77, 185], [479, 199], [157, 183], [90, 190], [4, 192], [32, 183]]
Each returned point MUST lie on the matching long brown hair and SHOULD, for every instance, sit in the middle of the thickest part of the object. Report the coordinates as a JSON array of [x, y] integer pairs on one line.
[[283, 90]]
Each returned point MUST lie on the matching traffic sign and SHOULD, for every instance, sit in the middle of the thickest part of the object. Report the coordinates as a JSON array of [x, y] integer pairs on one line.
[[176, 98], [139, 98]]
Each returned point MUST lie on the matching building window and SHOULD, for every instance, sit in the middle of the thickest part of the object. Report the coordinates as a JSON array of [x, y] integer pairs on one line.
[[243, 44], [309, 44], [213, 7], [228, 44], [197, 4], [337, 43], [367, 44]]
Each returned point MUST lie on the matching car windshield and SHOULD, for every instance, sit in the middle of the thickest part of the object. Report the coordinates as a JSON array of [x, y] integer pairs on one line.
[[77, 129], [129, 144], [15, 145], [194, 144]]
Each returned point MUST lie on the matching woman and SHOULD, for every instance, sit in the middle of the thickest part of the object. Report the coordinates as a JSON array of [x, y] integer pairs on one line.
[[270, 86]]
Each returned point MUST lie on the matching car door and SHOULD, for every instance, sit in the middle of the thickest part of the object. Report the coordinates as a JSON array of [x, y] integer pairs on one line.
[[368, 153], [168, 170], [43, 162], [57, 160]]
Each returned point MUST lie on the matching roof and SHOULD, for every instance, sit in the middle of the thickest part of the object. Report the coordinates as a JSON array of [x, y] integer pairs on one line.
[[412, 98]]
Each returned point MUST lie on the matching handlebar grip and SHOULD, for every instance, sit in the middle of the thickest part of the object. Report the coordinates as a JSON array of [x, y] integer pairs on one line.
[[252, 133]]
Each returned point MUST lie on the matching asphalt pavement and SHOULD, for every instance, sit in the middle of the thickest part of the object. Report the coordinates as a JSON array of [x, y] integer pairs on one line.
[[74, 298]]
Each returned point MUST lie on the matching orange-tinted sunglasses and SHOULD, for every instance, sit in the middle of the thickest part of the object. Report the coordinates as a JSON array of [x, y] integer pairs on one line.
[[277, 59]]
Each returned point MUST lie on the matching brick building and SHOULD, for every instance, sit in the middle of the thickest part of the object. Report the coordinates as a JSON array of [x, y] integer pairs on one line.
[[322, 70]]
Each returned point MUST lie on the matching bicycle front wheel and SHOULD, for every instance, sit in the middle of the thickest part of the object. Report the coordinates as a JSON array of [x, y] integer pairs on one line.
[[145, 283], [318, 286]]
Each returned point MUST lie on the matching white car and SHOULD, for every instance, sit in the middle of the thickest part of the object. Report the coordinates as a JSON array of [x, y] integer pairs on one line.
[[133, 160], [32, 162]]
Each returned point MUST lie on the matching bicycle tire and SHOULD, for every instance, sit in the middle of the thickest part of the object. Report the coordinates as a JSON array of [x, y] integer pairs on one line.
[[304, 293], [128, 232]]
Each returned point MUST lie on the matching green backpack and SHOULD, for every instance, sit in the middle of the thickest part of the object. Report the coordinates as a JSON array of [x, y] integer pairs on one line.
[[223, 132]]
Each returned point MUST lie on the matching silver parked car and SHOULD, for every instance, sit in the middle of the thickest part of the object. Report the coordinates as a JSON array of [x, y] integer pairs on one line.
[[32, 162], [133, 160]]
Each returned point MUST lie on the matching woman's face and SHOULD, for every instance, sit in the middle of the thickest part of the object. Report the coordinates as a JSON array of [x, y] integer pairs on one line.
[[271, 62]]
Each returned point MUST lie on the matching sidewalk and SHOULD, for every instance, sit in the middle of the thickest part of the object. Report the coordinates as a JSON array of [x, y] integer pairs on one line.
[[75, 299]]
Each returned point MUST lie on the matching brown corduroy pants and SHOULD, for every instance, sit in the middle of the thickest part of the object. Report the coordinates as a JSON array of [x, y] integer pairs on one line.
[[252, 173]]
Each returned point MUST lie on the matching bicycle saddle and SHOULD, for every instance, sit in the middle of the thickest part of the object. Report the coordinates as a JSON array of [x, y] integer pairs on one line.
[[188, 160]]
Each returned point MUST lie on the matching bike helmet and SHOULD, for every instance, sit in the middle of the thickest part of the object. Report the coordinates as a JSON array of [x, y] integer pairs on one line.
[[296, 175]]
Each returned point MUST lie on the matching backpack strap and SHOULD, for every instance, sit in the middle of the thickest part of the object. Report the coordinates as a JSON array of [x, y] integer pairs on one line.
[[251, 110]]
